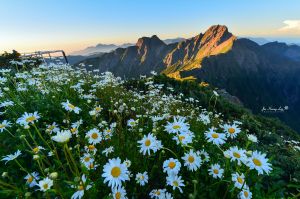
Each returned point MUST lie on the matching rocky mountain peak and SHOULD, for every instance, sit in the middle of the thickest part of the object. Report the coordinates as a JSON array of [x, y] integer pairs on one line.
[[153, 41], [216, 33]]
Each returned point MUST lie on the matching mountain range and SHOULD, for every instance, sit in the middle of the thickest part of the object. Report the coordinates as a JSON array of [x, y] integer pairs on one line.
[[104, 48], [259, 76]]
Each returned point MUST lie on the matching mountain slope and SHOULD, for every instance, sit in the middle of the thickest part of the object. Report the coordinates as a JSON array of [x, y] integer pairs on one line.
[[267, 75]]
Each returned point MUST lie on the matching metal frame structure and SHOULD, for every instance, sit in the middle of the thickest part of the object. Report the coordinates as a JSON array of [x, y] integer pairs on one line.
[[41, 55]]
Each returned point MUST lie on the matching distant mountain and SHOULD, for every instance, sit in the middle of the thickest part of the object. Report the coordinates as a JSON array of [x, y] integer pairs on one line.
[[104, 48], [258, 40], [175, 40], [259, 75], [100, 48]]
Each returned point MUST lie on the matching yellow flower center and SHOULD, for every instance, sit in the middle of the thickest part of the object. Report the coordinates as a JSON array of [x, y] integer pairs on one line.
[[108, 131], [86, 159], [176, 127], [257, 162], [45, 186], [80, 187], [30, 179], [30, 119], [191, 159], [157, 193], [51, 127], [175, 183], [132, 123], [73, 130], [115, 172], [142, 177], [237, 155], [118, 195], [181, 137], [246, 194], [172, 165], [36, 150], [71, 106], [94, 136], [216, 171], [98, 109], [215, 135], [91, 147], [147, 142], [231, 130], [240, 180]]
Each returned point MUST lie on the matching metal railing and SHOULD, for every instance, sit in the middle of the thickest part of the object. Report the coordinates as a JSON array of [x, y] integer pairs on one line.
[[45, 56]]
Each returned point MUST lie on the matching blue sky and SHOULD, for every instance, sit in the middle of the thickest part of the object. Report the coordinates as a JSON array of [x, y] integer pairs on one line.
[[74, 24]]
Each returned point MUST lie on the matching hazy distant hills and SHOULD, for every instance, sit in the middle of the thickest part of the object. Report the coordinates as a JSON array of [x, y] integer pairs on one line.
[[104, 48], [259, 75]]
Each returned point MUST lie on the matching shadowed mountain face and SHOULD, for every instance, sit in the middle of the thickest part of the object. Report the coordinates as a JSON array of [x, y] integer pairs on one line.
[[267, 75]]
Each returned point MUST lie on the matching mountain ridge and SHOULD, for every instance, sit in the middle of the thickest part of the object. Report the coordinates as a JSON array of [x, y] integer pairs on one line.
[[259, 75]]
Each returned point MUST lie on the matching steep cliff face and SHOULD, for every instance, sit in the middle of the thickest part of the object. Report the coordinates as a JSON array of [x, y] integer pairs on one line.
[[189, 54], [145, 56]]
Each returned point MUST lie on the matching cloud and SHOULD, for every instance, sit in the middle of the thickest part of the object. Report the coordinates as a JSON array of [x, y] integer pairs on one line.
[[290, 25]]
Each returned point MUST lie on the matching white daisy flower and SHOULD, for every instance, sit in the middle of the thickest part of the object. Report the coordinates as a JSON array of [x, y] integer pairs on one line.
[[115, 172], [175, 181], [191, 160], [157, 193], [178, 125], [184, 138], [142, 178], [90, 149], [81, 188], [28, 118], [245, 193], [94, 136], [37, 149], [237, 154], [168, 196], [214, 137], [4, 125], [252, 138], [11, 157], [171, 166], [132, 123], [70, 107], [203, 155], [231, 130], [52, 128], [62, 136], [204, 118], [31, 179], [239, 180], [127, 163], [108, 150], [6, 104], [45, 184], [119, 193], [259, 162], [87, 159], [149, 143], [215, 171]]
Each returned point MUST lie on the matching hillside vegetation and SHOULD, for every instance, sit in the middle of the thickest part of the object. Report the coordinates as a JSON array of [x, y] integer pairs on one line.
[[70, 133]]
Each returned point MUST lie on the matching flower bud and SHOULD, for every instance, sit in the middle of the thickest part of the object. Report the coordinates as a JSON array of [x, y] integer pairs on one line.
[[4, 174], [53, 175], [36, 157], [22, 136], [27, 194]]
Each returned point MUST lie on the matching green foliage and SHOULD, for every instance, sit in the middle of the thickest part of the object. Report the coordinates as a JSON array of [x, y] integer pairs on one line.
[[47, 88]]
